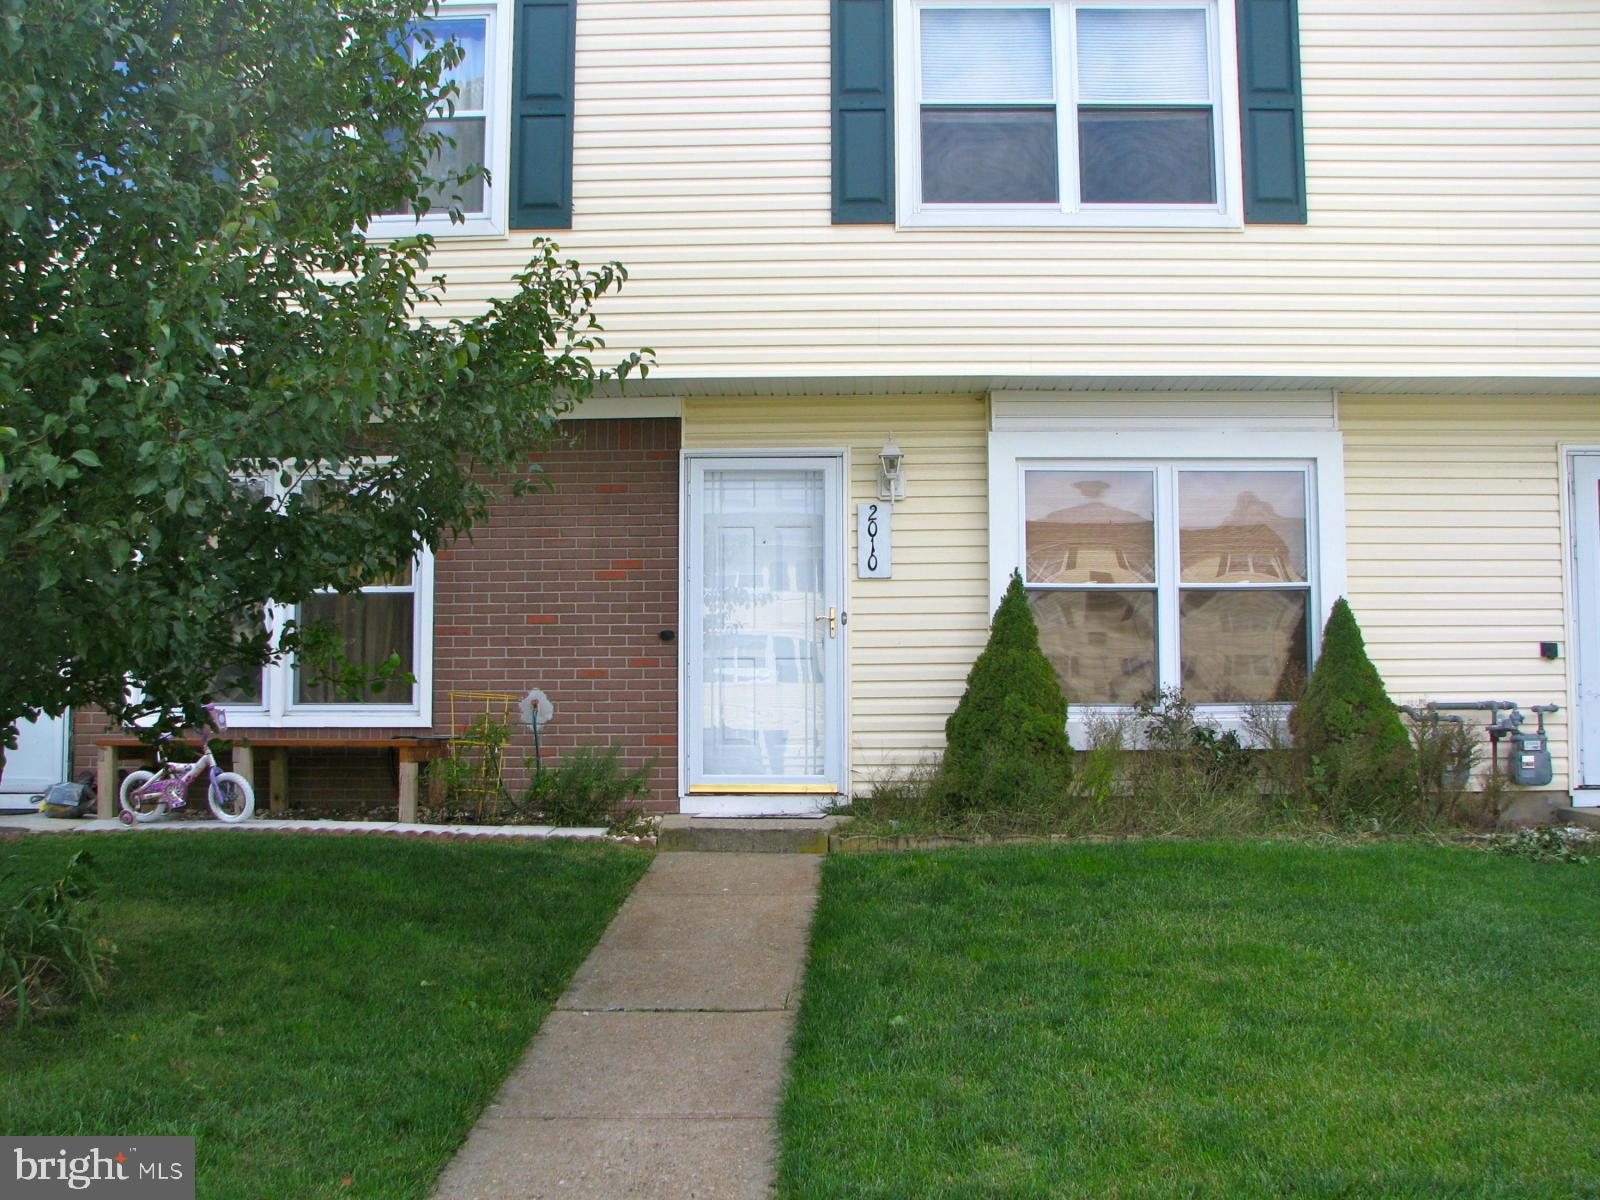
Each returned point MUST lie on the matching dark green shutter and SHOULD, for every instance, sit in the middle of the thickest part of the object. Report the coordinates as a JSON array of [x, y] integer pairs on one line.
[[863, 112], [541, 115], [1269, 102]]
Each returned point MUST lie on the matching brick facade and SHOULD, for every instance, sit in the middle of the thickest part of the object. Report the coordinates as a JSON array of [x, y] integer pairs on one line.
[[567, 589]]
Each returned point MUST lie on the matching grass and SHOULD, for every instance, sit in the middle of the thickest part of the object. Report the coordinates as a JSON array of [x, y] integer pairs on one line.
[[327, 1016], [1156, 1019]]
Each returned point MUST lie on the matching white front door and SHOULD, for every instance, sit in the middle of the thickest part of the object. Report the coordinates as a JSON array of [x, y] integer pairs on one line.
[[763, 664], [40, 758], [1586, 616]]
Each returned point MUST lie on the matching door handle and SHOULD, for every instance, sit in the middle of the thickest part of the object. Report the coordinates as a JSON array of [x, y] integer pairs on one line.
[[832, 618]]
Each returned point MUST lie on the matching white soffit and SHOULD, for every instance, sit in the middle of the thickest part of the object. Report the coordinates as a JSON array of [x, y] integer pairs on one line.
[[634, 399]]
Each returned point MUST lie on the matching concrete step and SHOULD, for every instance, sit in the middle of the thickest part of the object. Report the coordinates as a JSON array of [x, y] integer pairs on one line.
[[746, 835]]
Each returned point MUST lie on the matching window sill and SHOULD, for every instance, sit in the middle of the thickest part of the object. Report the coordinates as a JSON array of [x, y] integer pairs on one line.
[[366, 717], [1035, 218], [392, 228]]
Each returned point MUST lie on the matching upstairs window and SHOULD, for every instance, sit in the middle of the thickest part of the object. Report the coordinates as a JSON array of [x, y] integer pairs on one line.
[[473, 122], [1078, 112]]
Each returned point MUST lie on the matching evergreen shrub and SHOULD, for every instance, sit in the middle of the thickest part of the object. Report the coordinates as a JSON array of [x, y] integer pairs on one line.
[[1006, 742], [1354, 749]]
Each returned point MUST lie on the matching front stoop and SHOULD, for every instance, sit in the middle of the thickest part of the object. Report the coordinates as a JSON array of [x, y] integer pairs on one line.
[[754, 835]]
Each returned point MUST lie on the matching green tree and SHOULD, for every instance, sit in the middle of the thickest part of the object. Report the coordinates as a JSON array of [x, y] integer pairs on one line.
[[1347, 731], [188, 296], [1006, 742]]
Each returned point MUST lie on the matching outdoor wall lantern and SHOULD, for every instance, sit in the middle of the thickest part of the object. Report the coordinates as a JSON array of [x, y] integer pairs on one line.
[[891, 471]]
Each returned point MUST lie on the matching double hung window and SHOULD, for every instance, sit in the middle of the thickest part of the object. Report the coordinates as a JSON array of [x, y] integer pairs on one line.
[[471, 124], [386, 617], [1072, 112], [1195, 576]]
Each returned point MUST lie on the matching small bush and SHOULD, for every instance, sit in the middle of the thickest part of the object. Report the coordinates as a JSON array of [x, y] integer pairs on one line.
[[1446, 754], [908, 799], [591, 787], [1166, 769], [49, 953], [1357, 758], [1006, 742]]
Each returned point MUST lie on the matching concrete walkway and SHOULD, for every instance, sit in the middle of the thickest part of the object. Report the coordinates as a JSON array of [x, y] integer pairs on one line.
[[657, 1075]]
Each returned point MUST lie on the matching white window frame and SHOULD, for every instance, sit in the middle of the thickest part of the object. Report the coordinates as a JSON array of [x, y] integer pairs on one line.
[[497, 60], [278, 709], [1319, 453], [1227, 214]]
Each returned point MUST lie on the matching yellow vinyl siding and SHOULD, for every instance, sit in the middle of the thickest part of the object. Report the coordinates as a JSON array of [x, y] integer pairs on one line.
[[1456, 552], [912, 637], [1453, 159]]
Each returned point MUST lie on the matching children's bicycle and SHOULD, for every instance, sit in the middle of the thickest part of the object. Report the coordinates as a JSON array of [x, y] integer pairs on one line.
[[145, 795]]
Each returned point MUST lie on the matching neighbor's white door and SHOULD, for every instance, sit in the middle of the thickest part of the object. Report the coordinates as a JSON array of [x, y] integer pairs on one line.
[[40, 758], [1586, 614], [763, 671]]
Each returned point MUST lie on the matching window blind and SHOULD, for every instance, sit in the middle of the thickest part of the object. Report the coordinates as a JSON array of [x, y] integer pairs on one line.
[[1143, 56], [986, 56]]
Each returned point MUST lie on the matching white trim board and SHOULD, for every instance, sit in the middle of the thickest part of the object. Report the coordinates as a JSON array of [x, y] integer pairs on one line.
[[1578, 555], [1017, 410], [757, 805], [625, 406]]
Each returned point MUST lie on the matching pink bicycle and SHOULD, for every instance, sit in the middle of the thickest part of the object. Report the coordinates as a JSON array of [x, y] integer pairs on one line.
[[145, 795]]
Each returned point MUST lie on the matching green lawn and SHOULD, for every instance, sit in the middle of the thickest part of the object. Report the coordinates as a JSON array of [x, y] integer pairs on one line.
[[1198, 1020], [326, 1015]]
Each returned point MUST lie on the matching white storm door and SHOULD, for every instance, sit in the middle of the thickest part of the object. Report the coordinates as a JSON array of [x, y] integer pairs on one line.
[[1586, 615], [763, 588], [40, 758]]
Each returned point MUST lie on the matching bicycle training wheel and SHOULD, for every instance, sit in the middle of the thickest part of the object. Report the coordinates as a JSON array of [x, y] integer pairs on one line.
[[140, 808]]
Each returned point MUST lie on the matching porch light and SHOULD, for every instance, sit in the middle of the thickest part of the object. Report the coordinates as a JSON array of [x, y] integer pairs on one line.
[[891, 471]]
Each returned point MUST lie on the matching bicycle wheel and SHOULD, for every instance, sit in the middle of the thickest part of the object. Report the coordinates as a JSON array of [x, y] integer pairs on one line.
[[140, 808], [231, 798]]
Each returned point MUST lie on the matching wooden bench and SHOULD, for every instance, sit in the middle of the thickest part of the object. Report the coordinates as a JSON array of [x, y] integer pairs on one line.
[[411, 751]]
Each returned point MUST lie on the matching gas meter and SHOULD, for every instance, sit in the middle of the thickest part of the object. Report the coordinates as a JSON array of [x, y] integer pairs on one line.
[[1530, 764]]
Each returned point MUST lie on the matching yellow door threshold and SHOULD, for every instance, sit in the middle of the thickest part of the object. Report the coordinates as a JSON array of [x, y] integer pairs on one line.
[[764, 789]]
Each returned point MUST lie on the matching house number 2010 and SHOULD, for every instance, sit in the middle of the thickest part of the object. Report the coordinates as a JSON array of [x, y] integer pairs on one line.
[[873, 536]]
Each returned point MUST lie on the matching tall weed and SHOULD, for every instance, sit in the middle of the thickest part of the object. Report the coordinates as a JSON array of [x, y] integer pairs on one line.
[[50, 956]]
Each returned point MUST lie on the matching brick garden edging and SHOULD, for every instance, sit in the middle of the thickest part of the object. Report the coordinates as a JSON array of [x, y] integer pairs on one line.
[[457, 833]]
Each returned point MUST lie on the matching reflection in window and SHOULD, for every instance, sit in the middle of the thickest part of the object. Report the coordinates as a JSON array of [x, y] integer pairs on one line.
[[1102, 642], [1091, 527], [1242, 526], [1121, 560], [1243, 646]]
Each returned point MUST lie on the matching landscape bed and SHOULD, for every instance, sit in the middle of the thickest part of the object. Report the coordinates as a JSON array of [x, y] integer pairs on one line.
[[327, 1016], [1221, 1019]]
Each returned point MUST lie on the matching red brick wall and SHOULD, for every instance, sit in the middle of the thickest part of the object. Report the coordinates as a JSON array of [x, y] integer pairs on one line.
[[567, 589]]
